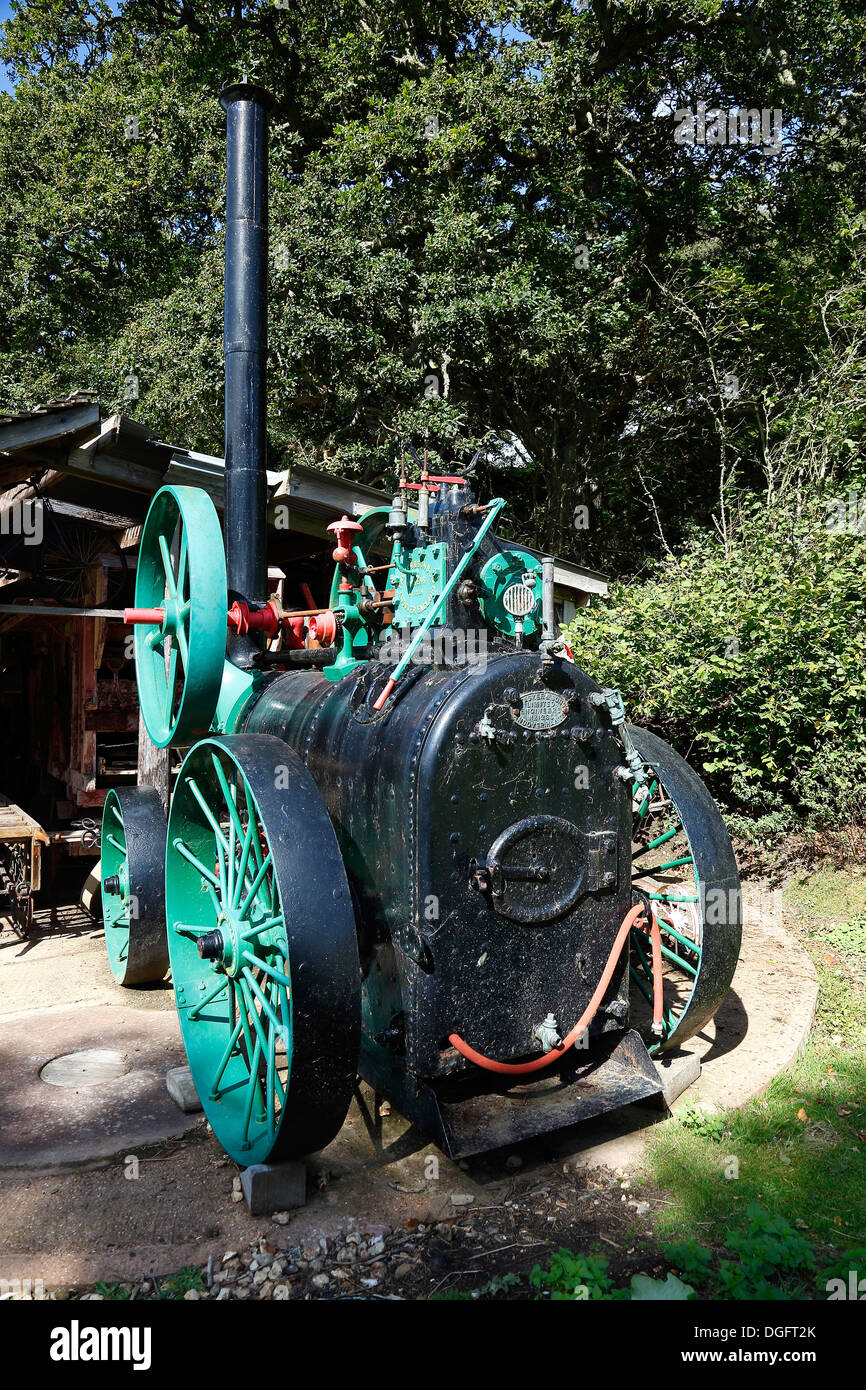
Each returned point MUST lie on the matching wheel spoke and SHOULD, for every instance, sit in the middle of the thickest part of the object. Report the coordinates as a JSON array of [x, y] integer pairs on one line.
[[235, 826], [670, 930], [187, 854], [265, 1003], [242, 867], [654, 844], [256, 885], [220, 842], [203, 1003], [209, 815], [253, 1090], [646, 801], [269, 1084], [659, 868], [171, 672], [181, 564], [252, 818], [277, 975], [226, 1058], [170, 582], [262, 926]]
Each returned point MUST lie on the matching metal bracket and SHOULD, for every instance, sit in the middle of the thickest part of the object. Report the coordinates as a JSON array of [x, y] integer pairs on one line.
[[611, 700], [602, 860]]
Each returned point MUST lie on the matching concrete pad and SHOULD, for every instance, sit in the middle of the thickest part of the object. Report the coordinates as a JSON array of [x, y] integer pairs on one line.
[[66, 963], [765, 1022], [46, 1125]]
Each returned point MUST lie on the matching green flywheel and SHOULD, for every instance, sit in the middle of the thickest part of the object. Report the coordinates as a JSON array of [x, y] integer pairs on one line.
[[263, 947], [181, 580]]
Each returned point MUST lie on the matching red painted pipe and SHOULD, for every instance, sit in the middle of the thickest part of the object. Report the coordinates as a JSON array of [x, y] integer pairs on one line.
[[144, 615]]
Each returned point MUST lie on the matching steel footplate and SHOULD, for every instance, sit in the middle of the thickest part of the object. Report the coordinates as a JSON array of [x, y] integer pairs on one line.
[[474, 1114]]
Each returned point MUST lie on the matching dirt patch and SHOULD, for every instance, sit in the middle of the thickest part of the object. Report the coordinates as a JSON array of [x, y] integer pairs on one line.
[[468, 1251]]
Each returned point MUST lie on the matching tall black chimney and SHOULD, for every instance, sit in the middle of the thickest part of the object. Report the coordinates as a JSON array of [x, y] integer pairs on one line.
[[246, 343]]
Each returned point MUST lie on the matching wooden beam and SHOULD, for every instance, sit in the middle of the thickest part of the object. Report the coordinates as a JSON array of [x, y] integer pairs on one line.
[[136, 477], [153, 765], [109, 521], [46, 426]]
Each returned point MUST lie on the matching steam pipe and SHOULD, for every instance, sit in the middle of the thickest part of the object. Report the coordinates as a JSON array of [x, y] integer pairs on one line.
[[246, 345], [548, 619]]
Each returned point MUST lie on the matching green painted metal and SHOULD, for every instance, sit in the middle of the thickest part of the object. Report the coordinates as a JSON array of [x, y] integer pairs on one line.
[[116, 907], [372, 526], [418, 578], [494, 508], [236, 1009], [237, 692], [181, 569], [133, 899], [497, 575], [355, 629]]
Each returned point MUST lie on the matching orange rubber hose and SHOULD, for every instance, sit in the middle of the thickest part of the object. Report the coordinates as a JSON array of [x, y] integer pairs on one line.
[[537, 1063], [658, 991]]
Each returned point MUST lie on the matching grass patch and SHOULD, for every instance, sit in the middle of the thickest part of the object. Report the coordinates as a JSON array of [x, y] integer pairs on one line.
[[174, 1286], [799, 1151], [828, 895]]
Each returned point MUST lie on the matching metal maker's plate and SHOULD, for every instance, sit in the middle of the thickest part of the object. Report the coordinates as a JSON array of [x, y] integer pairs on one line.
[[540, 709]]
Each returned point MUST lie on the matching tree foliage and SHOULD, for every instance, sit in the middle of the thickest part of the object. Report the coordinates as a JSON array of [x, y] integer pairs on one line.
[[482, 227]]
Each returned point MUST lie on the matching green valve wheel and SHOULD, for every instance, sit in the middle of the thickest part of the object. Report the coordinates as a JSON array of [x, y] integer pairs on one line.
[[683, 867], [263, 946], [132, 859], [180, 615]]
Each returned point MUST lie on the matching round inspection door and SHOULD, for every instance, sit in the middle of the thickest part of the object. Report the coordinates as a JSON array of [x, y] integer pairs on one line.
[[535, 869]]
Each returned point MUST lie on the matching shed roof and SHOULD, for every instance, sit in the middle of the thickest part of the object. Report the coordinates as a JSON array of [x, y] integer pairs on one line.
[[72, 438]]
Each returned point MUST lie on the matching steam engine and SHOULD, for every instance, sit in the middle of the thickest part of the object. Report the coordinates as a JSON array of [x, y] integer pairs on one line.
[[410, 838]]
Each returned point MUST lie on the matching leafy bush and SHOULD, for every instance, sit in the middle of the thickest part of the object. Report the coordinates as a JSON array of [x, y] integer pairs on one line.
[[750, 660]]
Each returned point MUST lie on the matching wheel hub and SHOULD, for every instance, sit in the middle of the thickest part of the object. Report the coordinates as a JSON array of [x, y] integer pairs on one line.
[[223, 946]]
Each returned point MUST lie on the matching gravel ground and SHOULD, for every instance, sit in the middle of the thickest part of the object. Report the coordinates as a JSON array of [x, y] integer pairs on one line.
[[419, 1260]]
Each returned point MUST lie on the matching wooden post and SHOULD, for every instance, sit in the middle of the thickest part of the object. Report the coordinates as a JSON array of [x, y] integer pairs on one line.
[[153, 764]]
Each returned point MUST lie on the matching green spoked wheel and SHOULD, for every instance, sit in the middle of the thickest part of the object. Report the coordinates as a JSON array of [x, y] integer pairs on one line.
[[683, 867], [181, 578], [263, 946], [132, 860]]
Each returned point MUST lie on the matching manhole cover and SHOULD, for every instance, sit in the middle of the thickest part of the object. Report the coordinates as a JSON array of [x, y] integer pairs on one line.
[[88, 1068]]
